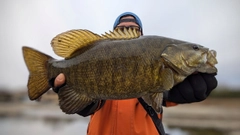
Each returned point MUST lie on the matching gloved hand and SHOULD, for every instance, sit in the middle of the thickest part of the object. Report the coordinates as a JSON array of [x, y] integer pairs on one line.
[[194, 88]]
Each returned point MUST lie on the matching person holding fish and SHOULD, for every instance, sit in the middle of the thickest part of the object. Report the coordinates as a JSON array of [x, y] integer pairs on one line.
[[136, 116], [128, 116]]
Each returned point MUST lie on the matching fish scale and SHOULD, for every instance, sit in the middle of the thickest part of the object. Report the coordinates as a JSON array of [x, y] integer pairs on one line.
[[118, 65]]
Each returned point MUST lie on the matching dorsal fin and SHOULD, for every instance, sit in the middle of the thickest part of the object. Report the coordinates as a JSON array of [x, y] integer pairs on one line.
[[69, 42], [66, 43], [121, 35]]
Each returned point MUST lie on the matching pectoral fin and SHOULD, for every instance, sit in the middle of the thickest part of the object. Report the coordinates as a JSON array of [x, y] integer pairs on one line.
[[71, 101], [154, 100], [167, 78]]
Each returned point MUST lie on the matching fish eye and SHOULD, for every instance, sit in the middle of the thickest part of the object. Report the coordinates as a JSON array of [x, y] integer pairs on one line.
[[195, 47]]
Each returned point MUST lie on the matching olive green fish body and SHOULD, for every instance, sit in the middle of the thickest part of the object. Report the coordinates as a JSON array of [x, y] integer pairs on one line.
[[117, 69], [119, 65]]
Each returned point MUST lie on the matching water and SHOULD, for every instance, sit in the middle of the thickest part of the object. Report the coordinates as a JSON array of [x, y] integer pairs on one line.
[[23, 126], [30, 126], [47, 119]]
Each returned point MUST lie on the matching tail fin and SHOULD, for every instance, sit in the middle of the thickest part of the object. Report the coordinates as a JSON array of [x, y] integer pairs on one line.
[[36, 63]]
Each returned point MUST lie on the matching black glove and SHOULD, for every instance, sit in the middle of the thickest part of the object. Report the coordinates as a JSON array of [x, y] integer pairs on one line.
[[92, 108], [194, 88]]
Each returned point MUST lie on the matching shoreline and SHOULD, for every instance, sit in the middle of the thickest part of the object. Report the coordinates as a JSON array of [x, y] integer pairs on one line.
[[213, 113]]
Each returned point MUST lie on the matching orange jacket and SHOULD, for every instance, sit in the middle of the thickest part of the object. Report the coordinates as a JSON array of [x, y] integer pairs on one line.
[[121, 117]]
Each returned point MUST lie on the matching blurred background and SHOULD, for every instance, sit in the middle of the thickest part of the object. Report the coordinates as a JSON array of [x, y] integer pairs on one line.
[[214, 24]]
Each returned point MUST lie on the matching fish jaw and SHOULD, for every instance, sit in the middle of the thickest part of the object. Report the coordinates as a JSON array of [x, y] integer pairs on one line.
[[185, 58], [209, 65]]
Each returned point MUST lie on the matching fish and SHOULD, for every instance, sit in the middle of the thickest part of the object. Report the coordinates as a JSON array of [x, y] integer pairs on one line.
[[113, 66]]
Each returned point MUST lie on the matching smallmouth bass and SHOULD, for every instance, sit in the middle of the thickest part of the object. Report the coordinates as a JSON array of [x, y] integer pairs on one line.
[[116, 65]]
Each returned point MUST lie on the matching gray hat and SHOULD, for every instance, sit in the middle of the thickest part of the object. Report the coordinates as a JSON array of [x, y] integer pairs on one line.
[[137, 19]]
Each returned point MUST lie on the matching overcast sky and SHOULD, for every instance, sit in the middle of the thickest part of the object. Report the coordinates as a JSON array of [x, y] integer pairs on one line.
[[212, 23]]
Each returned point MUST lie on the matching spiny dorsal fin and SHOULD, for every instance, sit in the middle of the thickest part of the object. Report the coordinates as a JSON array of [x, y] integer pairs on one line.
[[66, 43], [121, 35]]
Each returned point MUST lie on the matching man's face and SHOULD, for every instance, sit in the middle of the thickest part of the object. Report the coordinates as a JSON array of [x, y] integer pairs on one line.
[[129, 24]]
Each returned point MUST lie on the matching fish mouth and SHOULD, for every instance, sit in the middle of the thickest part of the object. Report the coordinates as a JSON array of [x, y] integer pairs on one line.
[[209, 65], [204, 63], [187, 64], [212, 58], [187, 68]]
